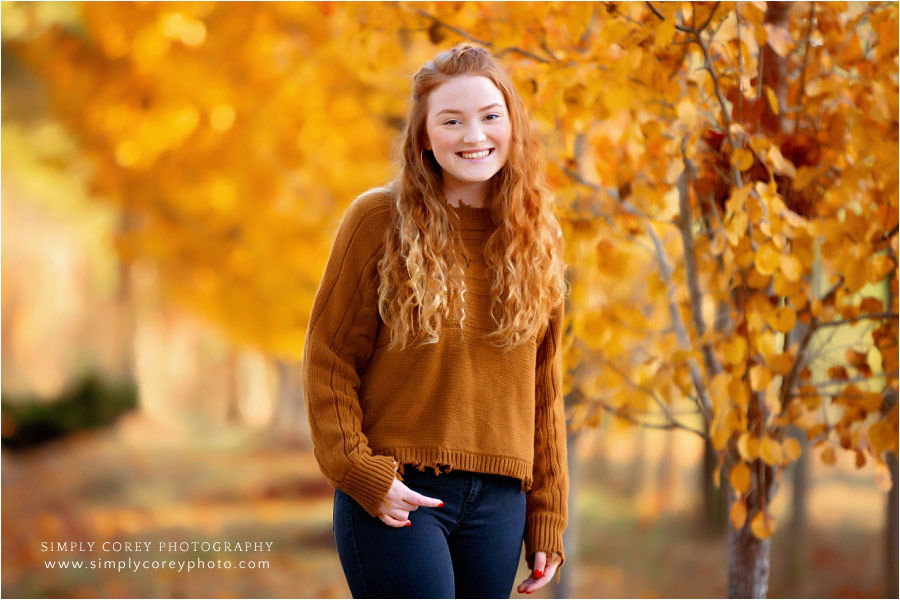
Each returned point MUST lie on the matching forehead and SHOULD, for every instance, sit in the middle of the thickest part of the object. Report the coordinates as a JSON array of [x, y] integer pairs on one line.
[[464, 92]]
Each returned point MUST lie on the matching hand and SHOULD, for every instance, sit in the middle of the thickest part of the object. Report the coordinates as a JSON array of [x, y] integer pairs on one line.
[[400, 501], [544, 570]]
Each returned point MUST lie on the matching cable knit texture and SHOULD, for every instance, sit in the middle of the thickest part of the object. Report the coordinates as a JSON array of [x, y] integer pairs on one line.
[[458, 404]]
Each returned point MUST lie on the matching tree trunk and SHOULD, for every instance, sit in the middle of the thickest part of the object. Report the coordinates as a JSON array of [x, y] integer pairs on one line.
[[714, 518], [797, 530], [290, 421], [748, 556], [892, 589]]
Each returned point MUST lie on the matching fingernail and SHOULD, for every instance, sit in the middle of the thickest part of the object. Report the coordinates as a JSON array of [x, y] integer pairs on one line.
[[539, 573], [408, 523], [440, 505]]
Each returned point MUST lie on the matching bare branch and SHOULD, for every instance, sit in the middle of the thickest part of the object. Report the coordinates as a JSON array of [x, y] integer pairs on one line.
[[690, 260], [624, 415], [875, 316], [810, 19], [705, 404], [662, 18], [472, 38], [708, 19]]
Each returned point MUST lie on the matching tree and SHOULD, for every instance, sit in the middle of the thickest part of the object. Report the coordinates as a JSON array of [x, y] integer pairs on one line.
[[705, 155]]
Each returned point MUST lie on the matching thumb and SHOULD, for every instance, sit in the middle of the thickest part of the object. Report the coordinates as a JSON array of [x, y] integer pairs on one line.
[[540, 563]]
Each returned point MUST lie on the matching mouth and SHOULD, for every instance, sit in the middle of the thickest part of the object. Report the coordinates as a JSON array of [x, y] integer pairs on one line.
[[476, 155]]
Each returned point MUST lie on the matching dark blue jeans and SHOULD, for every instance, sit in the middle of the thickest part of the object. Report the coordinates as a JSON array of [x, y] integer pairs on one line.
[[468, 548]]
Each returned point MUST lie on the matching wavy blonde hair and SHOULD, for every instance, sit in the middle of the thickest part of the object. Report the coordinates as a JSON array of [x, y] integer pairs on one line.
[[420, 271]]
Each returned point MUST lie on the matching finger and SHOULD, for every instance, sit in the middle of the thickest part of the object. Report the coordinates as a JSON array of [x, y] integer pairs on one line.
[[532, 584], [540, 564], [406, 505], [393, 521], [529, 586], [399, 515], [422, 500]]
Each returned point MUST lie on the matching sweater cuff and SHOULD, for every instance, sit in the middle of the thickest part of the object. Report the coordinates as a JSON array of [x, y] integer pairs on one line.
[[543, 533], [369, 480]]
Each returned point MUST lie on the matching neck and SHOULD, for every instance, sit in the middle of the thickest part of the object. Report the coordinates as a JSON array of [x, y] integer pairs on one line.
[[473, 194]]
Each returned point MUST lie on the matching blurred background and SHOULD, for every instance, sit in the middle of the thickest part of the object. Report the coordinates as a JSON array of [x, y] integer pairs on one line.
[[172, 176]]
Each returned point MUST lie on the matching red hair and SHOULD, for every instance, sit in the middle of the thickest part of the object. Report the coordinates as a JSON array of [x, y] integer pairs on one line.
[[419, 272]]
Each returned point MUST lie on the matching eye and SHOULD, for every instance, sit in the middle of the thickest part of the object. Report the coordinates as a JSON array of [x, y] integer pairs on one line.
[[445, 122], [493, 115]]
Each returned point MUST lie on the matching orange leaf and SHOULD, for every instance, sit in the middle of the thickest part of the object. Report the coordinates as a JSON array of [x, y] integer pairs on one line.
[[772, 98], [738, 514], [828, 456], [762, 525], [748, 446], [742, 159], [791, 267], [768, 257], [771, 451], [785, 319], [740, 478], [857, 359], [792, 448], [760, 377]]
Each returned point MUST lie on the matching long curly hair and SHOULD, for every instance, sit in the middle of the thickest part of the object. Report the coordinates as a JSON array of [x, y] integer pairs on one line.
[[420, 271]]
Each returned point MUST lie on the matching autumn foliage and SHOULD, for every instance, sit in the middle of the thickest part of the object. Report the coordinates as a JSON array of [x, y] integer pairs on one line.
[[726, 176]]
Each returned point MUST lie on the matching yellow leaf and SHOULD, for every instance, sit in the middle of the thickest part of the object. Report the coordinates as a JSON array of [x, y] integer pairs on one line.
[[718, 389], [720, 438], [687, 112], [762, 525], [882, 438], [791, 267], [784, 320], [779, 38], [740, 478], [748, 446], [792, 448], [735, 350], [738, 514], [771, 451], [737, 390], [772, 98], [717, 472], [828, 456], [767, 258], [742, 159], [760, 377], [782, 363]]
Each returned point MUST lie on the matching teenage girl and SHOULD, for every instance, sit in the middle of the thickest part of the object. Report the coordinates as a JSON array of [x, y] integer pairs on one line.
[[434, 343]]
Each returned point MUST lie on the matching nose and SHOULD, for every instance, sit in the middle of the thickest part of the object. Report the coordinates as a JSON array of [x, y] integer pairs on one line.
[[474, 134]]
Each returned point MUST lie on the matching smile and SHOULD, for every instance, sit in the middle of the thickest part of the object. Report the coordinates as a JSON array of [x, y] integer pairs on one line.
[[476, 155]]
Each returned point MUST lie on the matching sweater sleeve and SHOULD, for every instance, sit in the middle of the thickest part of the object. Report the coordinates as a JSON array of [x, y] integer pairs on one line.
[[339, 343], [547, 500]]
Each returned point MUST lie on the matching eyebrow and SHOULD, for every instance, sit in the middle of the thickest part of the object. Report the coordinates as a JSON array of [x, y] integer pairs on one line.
[[458, 112]]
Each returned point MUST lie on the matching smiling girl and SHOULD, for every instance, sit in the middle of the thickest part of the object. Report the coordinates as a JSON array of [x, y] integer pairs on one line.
[[435, 343]]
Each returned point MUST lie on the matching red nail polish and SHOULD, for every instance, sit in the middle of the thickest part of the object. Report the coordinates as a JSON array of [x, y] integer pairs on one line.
[[539, 573], [440, 505], [408, 524]]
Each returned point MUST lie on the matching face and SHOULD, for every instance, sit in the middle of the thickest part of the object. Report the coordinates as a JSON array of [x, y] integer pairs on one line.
[[468, 114]]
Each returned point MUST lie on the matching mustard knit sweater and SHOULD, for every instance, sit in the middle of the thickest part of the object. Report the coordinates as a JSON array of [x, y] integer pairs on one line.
[[458, 404]]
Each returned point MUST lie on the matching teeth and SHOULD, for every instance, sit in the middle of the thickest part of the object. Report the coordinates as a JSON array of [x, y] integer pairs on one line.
[[481, 154]]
